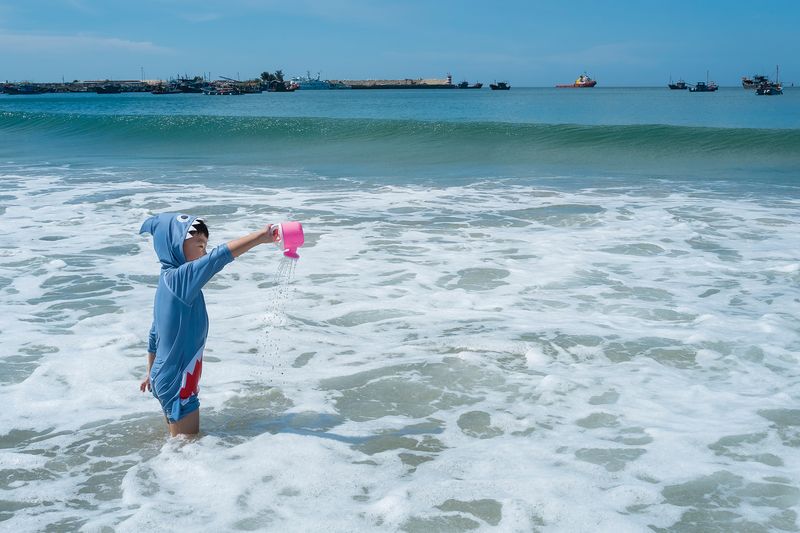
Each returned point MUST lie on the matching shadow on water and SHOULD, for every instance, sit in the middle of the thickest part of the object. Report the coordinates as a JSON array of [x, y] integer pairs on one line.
[[237, 426], [258, 410]]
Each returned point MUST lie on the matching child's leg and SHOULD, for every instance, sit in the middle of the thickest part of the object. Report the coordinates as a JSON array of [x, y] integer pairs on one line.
[[189, 425]]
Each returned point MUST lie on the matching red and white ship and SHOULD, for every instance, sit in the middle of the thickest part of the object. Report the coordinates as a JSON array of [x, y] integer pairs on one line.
[[583, 81]]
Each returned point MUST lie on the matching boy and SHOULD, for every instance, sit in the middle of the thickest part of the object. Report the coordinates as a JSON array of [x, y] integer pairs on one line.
[[180, 321]]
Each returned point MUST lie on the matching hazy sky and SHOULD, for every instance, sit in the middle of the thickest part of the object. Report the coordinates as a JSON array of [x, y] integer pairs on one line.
[[529, 43]]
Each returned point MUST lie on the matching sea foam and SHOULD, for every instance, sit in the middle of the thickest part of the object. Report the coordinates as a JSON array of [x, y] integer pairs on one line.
[[488, 355]]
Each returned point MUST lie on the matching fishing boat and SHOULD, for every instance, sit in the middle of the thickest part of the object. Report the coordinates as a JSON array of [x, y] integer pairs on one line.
[[583, 81], [679, 85], [233, 86], [754, 82], [465, 85], [500, 86], [190, 85], [769, 88], [704, 87], [166, 89], [222, 89]]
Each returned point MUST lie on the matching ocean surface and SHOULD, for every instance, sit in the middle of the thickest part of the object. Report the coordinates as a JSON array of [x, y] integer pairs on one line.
[[534, 310]]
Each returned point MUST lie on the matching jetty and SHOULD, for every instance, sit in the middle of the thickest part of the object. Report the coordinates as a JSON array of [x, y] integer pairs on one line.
[[88, 86], [408, 83], [159, 87], [268, 82]]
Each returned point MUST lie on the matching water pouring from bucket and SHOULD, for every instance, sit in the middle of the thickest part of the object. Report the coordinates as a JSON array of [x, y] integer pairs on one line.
[[288, 236]]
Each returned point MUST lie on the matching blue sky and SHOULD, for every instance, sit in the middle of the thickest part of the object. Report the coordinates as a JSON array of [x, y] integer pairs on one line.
[[529, 43]]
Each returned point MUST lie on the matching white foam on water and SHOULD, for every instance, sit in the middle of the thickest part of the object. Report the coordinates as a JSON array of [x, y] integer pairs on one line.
[[491, 356]]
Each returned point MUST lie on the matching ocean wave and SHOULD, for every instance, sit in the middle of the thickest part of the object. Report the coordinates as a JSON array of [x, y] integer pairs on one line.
[[408, 141]]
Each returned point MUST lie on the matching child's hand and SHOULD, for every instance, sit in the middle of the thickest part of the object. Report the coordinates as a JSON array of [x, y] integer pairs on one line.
[[271, 233], [145, 384]]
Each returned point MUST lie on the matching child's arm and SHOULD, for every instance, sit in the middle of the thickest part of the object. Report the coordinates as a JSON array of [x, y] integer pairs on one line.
[[187, 280], [243, 244], [146, 383], [152, 346]]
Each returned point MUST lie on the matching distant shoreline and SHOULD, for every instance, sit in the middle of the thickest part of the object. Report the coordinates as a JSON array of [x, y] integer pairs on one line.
[[83, 88]]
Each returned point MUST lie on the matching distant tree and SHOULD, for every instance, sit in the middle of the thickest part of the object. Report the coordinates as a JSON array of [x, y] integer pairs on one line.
[[266, 76], [279, 75]]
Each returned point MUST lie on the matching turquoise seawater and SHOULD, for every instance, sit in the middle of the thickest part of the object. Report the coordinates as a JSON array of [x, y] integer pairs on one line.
[[405, 136], [533, 310]]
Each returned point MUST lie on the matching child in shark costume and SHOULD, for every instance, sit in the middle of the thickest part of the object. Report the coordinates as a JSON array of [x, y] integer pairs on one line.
[[180, 322]]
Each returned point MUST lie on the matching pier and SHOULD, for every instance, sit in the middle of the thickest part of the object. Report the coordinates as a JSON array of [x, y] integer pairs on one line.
[[407, 83], [270, 82]]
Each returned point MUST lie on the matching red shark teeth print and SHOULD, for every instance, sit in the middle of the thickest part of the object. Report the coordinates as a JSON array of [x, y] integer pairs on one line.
[[191, 380]]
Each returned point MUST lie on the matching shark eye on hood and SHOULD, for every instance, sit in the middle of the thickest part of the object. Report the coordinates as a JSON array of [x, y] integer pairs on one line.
[[182, 218]]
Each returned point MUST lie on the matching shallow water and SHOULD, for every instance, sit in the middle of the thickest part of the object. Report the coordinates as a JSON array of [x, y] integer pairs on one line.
[[542, 352]]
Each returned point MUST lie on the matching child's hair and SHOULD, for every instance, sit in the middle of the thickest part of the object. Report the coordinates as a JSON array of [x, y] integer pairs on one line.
[[198, 226]]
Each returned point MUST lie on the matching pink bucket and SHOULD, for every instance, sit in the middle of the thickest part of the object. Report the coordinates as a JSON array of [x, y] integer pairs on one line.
[[288, 236]]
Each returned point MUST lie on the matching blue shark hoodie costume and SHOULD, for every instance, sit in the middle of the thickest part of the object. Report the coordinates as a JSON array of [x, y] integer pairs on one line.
[[180, 321]]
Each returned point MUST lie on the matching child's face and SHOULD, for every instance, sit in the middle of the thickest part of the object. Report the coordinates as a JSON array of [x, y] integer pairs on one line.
[[195, 247]]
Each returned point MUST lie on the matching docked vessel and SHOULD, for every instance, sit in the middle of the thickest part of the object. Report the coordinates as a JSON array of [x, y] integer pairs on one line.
[[25, 88], [308, 83], [500, 86], [583, 81], [165, 89], [221, 90], [316, 84], [190, 85]]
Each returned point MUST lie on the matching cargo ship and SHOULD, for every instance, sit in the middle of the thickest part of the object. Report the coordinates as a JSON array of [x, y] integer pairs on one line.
[[583, 81]]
